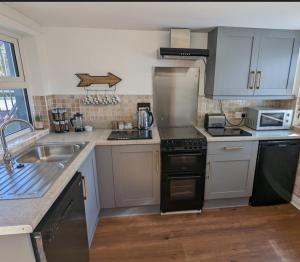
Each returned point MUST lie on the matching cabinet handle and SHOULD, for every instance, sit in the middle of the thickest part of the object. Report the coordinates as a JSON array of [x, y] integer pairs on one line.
[[257, 79], [38, 242], [209, 169], [232, 148], [84, 188], [157, 162], [251, 79]]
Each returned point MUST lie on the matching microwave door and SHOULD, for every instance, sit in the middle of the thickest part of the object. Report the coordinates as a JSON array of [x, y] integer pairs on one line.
[[271, 120], [270, 117]]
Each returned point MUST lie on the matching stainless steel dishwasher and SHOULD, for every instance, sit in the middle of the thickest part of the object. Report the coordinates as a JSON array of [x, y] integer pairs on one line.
[[61, 236], [275, 172]]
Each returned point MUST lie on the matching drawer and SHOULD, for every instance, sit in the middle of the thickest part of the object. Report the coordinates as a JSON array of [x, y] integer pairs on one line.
[[230, 148]]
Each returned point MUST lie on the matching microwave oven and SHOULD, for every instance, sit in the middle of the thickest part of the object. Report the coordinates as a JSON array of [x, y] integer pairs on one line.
[[262, 118]]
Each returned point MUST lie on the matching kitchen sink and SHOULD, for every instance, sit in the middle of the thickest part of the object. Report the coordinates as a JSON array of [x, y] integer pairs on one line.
[[36, 169], [49, 153]]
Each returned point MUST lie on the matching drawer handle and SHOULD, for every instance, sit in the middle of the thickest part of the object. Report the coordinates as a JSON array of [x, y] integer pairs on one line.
[[84, 188], [232, 148]]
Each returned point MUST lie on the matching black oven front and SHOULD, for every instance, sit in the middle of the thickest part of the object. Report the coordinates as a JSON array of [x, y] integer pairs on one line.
[[183, 179]]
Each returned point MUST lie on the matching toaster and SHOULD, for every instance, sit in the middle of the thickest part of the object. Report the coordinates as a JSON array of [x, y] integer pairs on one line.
[[214, 121]]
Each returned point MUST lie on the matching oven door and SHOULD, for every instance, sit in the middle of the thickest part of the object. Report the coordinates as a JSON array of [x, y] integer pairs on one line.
[[174, 162], [182, 192]]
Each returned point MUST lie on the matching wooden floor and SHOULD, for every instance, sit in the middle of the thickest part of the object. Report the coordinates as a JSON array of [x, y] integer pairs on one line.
[[234, 234]]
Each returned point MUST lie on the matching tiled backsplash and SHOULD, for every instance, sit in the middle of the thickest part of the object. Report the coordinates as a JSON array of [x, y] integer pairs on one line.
[[101, 116], [40, 107], [206, 105]]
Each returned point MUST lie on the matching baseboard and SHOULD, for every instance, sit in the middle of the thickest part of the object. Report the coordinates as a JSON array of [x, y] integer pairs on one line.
[[296, 201], [226, 202], [129, 211]]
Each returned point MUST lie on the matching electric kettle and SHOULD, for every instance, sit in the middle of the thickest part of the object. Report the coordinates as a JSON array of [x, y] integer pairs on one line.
[[145, 118], [77, 122]]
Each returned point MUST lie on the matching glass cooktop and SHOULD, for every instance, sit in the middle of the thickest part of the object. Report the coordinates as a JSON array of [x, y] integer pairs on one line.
[[227, 132], [130, 135]]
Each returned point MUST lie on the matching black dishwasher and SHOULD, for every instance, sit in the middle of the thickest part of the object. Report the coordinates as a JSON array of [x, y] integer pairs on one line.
[[275, 172], [61, 236]]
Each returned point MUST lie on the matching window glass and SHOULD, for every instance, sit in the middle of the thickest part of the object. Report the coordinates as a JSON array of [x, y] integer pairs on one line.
[[8, 62], [14, 104]]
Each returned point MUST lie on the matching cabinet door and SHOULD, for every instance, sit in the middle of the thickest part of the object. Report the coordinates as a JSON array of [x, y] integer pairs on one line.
[[105, 176], [278, 52], [136, 175], [236, 58], [92, 204], [230, 175]]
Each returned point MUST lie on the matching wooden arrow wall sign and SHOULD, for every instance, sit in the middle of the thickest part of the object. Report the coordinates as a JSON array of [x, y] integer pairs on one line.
[[87, 79]]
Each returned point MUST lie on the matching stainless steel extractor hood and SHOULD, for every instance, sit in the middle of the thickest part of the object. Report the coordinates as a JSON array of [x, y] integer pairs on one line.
[[180, 47]]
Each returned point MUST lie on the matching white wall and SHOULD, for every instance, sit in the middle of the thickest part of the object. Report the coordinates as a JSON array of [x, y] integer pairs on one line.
[[129, 54]]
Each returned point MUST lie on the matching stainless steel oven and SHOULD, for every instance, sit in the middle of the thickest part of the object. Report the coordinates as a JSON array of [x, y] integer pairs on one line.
[[260, 118]]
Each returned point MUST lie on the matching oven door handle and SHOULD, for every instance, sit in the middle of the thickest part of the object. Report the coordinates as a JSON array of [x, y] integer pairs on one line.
[[183, 177], [186, 154]]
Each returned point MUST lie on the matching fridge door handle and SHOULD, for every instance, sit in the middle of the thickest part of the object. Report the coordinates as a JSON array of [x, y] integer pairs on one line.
[[39, 248]]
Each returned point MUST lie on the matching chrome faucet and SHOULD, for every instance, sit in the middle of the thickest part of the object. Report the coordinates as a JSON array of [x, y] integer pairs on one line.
[[7, 158]]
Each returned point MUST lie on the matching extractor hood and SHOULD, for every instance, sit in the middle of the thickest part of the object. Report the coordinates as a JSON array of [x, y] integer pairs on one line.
[[180, 47]]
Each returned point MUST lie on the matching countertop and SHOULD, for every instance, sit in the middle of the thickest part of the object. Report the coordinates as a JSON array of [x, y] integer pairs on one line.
[[99, 138], [23, 215], [256, 135]]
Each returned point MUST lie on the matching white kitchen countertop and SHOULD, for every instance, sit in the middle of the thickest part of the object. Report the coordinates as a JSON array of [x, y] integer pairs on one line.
[[23, 215], [256, 135], [99, 137]]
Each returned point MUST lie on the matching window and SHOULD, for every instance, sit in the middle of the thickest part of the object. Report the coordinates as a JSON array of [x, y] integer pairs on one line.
[[13, 99], [14, 104], [10, 60]]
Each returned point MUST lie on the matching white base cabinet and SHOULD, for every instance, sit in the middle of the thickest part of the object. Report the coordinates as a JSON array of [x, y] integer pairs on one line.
[[92, 203], [230, 169]]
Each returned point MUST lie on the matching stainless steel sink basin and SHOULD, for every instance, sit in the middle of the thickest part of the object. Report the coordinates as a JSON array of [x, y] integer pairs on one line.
[[36, 169], [49, 153]]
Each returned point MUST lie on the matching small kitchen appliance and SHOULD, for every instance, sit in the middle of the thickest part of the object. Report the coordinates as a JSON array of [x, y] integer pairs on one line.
[[60, 124], [214, 120], [264, 118], [77, 122], [144, 116]]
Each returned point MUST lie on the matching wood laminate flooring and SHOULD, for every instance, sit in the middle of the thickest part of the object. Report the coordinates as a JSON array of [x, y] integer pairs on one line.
[[232, 234]]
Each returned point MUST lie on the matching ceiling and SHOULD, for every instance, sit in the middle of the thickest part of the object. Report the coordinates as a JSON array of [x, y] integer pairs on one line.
[[158, 16]]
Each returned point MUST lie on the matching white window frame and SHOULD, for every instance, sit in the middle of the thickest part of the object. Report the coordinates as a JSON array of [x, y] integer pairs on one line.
[[14, 79], [15, 82]]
